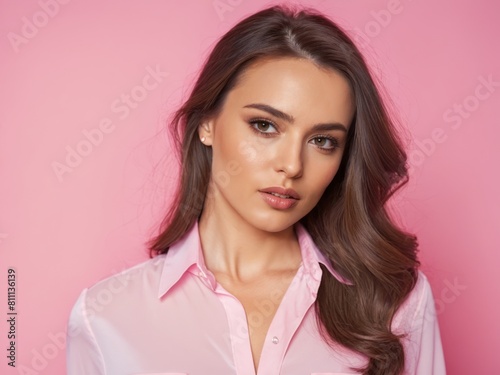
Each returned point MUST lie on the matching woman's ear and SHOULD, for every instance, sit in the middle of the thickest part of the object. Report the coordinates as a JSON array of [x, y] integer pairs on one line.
[[205, 131]]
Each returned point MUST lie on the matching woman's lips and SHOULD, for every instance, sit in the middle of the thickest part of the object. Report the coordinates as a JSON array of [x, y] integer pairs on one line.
[[278, 202], [289, 193]]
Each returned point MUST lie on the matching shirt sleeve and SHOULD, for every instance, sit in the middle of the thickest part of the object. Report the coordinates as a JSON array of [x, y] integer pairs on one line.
[[83, 356], [425, 354]]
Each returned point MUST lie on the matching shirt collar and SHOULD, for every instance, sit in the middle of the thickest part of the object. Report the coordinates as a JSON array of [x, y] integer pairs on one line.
[[186, 255]]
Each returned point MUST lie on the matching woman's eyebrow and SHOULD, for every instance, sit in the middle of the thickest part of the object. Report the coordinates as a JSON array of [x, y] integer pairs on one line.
[[273, 111], [290, 119]]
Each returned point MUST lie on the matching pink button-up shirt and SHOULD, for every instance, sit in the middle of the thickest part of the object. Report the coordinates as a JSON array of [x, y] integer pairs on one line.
[[169, 315]]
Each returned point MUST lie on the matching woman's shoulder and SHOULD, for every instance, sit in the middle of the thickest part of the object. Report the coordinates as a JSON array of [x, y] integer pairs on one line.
[[418, 305], [417, 322], [421, 291], [140, 280], [107, 309]]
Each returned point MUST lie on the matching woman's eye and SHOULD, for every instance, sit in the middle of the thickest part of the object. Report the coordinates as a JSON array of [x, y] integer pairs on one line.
[[262, 125], [265, 127], [320, 141], [326, 143]]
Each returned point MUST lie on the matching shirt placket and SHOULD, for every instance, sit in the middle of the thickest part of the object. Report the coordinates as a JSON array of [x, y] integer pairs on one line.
[[239, 337], [295, 303], [238, 331]]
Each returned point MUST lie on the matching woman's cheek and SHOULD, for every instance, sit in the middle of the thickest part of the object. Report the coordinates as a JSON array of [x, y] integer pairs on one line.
[[321, 171], [254, 150]]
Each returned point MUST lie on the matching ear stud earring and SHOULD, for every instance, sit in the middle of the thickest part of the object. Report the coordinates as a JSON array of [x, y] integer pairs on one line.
[[203, 139]]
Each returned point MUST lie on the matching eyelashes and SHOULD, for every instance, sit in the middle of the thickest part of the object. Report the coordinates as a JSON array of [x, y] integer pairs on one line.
[[261, 121], [254, 125]]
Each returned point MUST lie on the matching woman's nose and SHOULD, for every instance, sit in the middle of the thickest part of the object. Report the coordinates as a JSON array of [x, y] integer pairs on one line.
[[289, 158]]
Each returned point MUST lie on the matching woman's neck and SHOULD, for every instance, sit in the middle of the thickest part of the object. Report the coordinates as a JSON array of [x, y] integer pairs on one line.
[[240, 251]]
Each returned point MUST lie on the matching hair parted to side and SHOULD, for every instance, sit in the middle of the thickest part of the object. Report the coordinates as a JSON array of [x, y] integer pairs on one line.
[[350, 223]]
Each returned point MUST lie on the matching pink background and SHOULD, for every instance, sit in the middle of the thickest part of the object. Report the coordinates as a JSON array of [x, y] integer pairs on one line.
[[65, 67]]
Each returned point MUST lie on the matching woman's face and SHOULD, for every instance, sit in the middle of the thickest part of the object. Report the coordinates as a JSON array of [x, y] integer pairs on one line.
[[283, 125]]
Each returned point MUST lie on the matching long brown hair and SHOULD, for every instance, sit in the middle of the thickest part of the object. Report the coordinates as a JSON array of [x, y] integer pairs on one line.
[[350, 223]]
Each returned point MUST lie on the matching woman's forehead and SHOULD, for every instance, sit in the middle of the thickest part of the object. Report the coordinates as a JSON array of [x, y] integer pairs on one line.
[[294, 86]]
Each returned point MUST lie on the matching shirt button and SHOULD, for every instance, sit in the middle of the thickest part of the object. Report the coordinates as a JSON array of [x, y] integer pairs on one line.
[[275, 340]]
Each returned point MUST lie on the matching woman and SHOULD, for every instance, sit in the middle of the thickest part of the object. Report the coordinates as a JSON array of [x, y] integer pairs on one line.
[[278, 255]]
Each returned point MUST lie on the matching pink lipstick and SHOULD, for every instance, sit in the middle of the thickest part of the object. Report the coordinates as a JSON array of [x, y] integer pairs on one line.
[[280, 198]]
